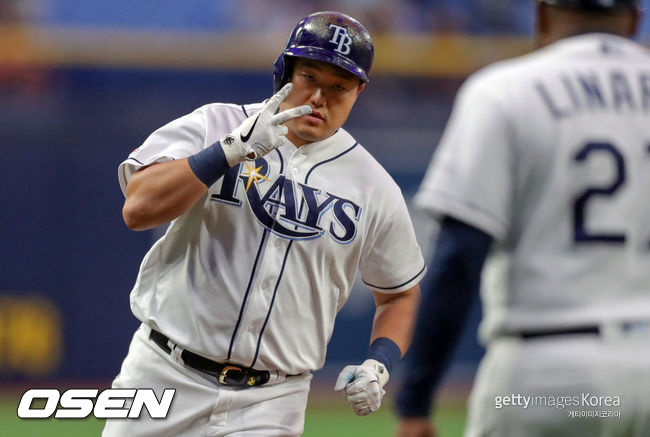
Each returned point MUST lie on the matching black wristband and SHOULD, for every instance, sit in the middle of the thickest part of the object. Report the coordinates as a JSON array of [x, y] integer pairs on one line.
[[385, 351], [209, 164]]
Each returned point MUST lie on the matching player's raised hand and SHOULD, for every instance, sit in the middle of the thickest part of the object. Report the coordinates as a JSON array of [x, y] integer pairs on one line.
[[363, 386], [262, 132]]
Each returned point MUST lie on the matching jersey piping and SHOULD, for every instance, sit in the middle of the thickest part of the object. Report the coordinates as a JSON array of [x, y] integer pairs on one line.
[[328, 160], [248, 289], [397, 286], [268, 314]]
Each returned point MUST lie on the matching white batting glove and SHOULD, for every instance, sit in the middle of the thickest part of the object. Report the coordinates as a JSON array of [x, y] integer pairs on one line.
[[363, 386], [262, 132]]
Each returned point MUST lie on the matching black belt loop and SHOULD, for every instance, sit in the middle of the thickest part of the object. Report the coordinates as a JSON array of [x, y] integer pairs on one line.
[[526, 335], [226, 373]]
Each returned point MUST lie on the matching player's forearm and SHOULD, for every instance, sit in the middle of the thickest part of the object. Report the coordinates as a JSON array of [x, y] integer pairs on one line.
[[394, 317], [159, 193], [391, 334], [448, 291]]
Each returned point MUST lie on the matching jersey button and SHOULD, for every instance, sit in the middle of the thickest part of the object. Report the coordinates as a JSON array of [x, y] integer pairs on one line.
[[294, 172]]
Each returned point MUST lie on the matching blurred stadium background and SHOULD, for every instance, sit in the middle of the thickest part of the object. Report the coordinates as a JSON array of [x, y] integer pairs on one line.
[[82, 83]]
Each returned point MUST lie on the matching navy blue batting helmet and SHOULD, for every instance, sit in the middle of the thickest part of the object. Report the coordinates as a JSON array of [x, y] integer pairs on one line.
[[330, 37], [595, 5]]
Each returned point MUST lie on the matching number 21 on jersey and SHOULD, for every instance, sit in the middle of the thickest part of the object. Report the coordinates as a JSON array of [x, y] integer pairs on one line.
[[581, 202]]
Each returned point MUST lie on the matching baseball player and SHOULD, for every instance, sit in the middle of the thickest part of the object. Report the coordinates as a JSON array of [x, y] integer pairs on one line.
[[274, 208], [548, 156]]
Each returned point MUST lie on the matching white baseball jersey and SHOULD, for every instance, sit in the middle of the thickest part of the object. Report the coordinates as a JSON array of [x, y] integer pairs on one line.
[[257, 270], [549, 153]]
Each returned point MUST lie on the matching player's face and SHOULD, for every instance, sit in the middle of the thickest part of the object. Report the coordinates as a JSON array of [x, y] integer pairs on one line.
[[329, 90]]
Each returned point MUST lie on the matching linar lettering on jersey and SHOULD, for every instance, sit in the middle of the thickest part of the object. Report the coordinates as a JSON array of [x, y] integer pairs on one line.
[[576, 92], [288, 208]]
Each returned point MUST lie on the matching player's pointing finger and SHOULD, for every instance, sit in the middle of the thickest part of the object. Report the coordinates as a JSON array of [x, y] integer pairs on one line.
[[274, 102], [288, 114]]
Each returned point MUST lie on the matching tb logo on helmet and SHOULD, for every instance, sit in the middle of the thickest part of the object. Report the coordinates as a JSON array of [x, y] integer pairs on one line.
[[341, 38]]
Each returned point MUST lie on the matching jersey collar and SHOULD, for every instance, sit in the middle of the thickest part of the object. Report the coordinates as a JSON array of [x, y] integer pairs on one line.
[[328, 148]]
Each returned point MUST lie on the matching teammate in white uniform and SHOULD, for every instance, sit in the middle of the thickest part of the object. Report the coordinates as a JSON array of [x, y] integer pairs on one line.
[[548, 155], [270, 224]]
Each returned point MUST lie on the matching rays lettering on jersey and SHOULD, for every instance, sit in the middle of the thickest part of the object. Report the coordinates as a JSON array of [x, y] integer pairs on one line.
[[289, 208]]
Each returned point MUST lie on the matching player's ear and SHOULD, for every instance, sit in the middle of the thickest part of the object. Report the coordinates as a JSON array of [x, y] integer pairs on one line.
[[635, 19], [542, 24], [362, 86]]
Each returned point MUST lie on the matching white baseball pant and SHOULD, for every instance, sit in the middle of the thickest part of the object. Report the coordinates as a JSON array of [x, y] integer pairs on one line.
[[202, 406], [566, 381]]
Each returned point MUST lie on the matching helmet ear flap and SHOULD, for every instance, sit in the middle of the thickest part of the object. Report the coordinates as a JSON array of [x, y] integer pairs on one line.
[[282, 71], [278, 73]]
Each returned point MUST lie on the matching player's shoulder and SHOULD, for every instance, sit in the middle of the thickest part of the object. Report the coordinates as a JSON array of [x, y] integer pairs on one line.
[[220, 118], [505, 74], [369, 171], [513, 73], [218, 108], [360, 156], [501, 83]]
